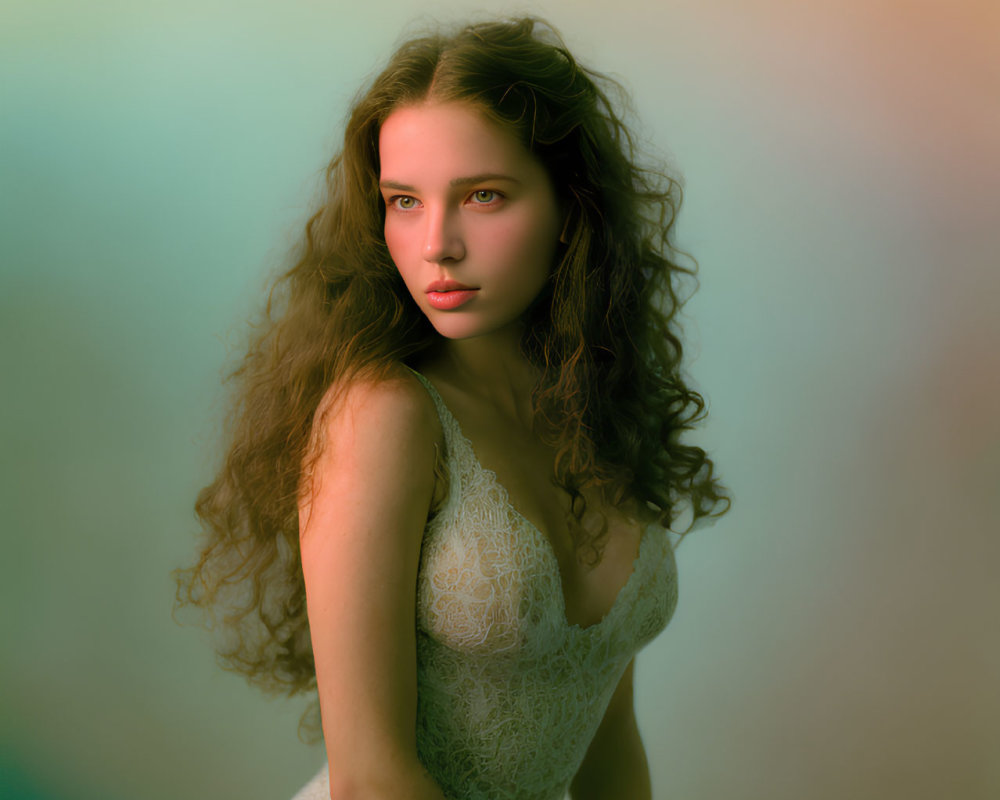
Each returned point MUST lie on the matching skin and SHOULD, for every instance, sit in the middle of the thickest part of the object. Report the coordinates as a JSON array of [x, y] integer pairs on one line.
[[505, 247], [497, 234], [360, 528], [362, 522]]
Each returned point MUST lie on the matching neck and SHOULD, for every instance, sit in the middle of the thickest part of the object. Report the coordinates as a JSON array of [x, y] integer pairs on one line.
[[492, 369]]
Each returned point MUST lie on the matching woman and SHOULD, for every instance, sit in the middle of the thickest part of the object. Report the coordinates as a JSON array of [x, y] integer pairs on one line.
[[456, 448]]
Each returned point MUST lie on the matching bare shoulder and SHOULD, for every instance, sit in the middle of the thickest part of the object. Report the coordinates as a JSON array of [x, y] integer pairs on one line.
[[372, 435], [394, 406], [363, 511]]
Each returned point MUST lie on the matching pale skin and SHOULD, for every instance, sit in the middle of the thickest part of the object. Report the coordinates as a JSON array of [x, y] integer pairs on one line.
[[362, 521]]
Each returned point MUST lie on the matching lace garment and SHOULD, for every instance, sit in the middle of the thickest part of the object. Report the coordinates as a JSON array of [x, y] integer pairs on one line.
[[509, 693]]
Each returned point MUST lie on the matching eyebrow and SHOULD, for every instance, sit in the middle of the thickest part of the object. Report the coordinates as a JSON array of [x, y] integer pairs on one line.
[[471, 180]]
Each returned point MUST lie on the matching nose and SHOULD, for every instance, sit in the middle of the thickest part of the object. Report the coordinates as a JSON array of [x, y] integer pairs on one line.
[[443, 240]]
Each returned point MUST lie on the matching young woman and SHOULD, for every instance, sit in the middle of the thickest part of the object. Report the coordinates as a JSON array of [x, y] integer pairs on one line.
[[457, 444]]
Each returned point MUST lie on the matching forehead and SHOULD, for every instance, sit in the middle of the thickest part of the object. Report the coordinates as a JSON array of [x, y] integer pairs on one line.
[[447, 140]]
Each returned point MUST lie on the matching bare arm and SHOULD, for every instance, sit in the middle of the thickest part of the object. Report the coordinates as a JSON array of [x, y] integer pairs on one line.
[[361, 522], [615, 767]]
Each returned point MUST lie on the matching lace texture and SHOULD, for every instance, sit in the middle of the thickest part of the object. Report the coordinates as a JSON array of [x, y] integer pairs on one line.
[[510, 694]]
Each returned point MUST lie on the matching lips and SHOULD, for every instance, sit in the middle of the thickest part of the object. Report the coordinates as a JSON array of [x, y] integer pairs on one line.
[[449, 286], [449, 295]]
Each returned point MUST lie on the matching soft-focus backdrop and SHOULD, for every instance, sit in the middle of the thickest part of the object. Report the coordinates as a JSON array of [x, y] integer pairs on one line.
[[837, 634]]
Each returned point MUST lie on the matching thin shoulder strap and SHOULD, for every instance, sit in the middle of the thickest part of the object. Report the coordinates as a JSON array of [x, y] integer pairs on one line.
[[453, 439], [448, 421]]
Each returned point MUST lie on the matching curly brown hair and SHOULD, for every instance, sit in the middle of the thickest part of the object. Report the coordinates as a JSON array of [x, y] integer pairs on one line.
[[603, 333]]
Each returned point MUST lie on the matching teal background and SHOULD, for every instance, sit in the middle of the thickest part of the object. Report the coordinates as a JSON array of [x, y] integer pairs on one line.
[[837, 633]]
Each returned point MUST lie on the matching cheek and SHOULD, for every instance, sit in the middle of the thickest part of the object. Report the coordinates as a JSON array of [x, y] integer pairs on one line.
[[395, 242], [530, 247], [391, 239]]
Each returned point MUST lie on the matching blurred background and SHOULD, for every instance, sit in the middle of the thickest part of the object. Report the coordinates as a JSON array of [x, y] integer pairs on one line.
[[837, 634]]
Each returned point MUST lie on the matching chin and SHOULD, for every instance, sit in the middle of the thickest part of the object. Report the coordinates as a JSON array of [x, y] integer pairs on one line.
[[457, 328], [457, 332]]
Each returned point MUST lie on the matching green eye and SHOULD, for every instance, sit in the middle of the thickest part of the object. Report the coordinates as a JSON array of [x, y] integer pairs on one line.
[[405, 202], [485, 196]]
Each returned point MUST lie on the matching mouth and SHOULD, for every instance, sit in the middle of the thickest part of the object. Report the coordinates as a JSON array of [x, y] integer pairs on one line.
[[449, 295], [441, 287], [449, 299]]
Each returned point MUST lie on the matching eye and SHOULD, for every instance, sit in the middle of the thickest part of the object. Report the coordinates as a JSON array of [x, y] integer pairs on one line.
[[403, 202], [485, 197]]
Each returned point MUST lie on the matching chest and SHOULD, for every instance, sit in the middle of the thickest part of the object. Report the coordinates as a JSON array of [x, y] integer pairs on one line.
[[490, 585], [522, 468]]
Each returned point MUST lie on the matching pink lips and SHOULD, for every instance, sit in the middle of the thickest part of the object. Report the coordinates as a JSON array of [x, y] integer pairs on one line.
[[448, 295]]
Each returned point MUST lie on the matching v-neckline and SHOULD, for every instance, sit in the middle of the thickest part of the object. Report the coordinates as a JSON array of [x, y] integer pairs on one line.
[[547, 547]]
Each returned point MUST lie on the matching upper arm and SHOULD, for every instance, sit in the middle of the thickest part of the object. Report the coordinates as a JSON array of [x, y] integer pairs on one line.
[[361, 520]]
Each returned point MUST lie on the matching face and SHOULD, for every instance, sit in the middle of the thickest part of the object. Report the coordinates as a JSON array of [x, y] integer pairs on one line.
[[472, 220]]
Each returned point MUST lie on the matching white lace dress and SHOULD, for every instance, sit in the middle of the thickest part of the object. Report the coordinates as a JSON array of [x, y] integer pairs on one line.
[[510, 694]]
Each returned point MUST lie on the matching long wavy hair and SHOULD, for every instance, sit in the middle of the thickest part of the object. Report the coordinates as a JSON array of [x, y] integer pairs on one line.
[[611, 397]]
